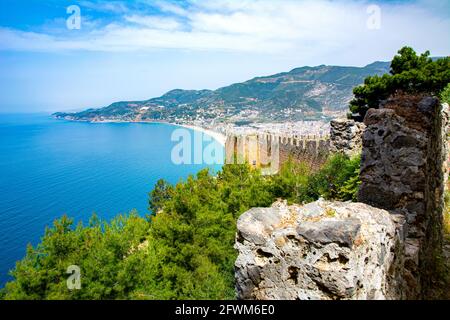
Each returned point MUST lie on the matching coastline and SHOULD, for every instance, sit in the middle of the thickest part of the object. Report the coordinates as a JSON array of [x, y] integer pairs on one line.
[[219, 137]]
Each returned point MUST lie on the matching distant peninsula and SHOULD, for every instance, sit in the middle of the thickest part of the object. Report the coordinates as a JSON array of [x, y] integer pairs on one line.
[[306, 93]]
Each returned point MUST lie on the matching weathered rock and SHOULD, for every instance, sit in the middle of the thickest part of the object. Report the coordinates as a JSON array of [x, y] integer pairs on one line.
[[354, 251], [402, 171], [446, 134], [322, 250], [346, 136]]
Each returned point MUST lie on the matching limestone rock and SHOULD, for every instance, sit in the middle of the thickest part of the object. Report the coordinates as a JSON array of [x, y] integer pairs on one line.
[[323, 250]]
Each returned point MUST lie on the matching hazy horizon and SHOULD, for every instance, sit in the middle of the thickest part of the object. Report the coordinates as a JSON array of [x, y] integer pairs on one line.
[[83, 108], [137, 50]]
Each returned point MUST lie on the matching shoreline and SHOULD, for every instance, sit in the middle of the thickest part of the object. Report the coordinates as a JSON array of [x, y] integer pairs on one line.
[[219, 137]]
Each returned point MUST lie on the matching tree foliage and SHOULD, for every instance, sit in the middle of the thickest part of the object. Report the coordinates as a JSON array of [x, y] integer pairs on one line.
[[162, 192], [338, 179], [183, 250], [445, 95], [410, 73], [101, 250]]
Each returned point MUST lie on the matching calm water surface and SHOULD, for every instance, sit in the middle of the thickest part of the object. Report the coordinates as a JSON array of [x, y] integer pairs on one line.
[[51, 167]]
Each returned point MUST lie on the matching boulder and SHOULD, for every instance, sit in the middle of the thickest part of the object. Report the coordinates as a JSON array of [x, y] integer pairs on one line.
[[323, 250]]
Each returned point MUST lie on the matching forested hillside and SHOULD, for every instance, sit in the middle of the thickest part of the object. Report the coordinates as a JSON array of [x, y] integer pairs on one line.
[[302, 92]]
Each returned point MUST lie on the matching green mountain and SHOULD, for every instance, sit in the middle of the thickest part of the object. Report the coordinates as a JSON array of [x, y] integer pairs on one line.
[[303, 93]]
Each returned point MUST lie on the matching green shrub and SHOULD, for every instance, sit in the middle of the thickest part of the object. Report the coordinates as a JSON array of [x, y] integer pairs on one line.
[[184, 250], [445, 94], [410, 73], [292, 182], [337, 180], [100, 249]]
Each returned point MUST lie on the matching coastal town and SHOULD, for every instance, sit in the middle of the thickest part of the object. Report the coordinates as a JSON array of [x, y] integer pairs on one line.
[[288, 128], [221, 126], [300, 102]]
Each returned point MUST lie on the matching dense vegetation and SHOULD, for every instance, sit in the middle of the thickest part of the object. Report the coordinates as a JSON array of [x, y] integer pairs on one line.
[[410, 73], [445, 94], [184, 251]]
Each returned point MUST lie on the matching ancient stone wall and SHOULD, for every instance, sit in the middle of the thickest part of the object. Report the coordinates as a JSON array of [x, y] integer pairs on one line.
[[269, 152], [313, 150], [346, 136], [381, 248], [401, 171], [259, 151]]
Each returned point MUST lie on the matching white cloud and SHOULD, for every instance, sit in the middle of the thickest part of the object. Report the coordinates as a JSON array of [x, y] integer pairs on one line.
[[169, 7], [116, 38], [154, 22], [105, 6], [304, 28]]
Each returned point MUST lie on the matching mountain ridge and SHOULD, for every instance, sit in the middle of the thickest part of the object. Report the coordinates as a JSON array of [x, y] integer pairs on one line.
[[300, 94]]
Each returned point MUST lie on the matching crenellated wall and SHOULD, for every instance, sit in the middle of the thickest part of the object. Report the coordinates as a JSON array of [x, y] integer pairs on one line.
[[312, 150], [269, 152]]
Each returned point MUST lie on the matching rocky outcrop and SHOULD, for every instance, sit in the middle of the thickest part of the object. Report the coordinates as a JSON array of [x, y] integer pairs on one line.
[[321, 250], [346, 136]]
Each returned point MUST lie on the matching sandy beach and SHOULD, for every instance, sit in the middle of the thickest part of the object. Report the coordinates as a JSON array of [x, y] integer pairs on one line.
[[221, 138]]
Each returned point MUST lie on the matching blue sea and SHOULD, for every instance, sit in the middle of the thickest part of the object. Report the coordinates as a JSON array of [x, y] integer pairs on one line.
[[51, 167]]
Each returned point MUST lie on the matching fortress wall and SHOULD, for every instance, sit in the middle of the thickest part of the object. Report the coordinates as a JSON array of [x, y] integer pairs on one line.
[[311, 150], [269, 151], [346, 136], [264, 150], [230, 148], [402, 171], [384, 247]]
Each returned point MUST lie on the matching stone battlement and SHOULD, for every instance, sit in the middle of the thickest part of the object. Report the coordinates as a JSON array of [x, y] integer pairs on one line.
[[269, 151]]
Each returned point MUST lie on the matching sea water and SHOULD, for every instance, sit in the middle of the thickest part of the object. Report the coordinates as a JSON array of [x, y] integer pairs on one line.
[[51, 167]]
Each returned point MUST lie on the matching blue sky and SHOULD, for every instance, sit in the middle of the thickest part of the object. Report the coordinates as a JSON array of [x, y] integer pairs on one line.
[[135, 50]]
